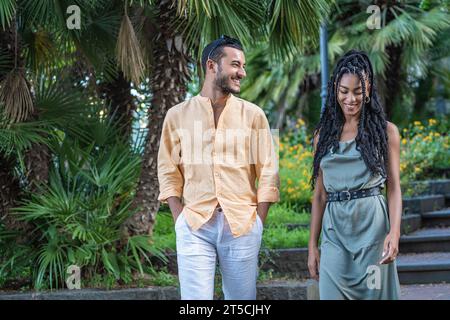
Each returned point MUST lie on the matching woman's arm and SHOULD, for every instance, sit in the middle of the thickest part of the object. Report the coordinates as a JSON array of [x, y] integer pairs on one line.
[[318, 207], [394, 194]]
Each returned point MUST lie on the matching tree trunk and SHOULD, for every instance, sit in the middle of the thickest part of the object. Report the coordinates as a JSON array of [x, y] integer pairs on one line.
[[169, 81], [393, 76], [37, 158], [9, 192], [121, 105], [37, 162]]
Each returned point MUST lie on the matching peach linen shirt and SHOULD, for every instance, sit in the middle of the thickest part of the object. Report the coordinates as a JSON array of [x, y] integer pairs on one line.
[[206, 166]]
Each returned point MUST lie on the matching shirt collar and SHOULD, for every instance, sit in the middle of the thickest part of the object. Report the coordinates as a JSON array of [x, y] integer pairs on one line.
[[207, 100]]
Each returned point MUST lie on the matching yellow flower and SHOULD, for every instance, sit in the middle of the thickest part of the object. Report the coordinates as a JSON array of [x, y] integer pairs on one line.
[[432, 121], [417, 169], [404, 141], [289, 181], [437, 134], [417, 123]]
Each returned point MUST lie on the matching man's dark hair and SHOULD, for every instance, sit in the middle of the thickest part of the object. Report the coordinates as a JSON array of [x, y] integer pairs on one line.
[[214, 50]]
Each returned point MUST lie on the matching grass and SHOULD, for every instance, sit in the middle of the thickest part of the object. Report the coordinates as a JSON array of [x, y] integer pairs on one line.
[[281, 214], [279, 237]]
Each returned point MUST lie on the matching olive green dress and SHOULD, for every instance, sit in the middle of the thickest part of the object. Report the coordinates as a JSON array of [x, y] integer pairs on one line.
[[353, 232]]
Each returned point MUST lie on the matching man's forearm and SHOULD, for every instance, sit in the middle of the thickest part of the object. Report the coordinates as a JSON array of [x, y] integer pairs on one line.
[[262, 209], [175, 206]]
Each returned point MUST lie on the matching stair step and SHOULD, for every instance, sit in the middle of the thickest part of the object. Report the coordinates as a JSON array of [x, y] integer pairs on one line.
[[426, 240], [422, 204], [422, 268], [436, 218], [410, 223]]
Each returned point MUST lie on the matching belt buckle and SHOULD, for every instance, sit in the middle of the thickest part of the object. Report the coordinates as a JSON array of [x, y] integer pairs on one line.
[[347, 197]]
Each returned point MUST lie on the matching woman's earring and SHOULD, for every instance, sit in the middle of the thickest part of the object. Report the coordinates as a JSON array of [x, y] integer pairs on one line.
[[367, 100]]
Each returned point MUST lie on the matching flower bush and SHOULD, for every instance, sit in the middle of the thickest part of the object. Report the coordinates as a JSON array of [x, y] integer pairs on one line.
[[424, 151], [296, 160]]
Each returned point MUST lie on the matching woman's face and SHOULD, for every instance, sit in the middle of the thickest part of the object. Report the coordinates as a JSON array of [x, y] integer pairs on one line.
[[350, 96]]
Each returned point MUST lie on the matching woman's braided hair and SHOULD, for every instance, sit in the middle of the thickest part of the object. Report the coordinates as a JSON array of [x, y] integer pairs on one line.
[[371, 139]]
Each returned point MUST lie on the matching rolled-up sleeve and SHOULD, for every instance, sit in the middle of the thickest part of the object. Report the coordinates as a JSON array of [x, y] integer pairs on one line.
[[266, 162], [170, 177]]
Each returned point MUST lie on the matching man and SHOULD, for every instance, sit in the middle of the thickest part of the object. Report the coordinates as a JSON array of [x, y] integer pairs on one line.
[[213, 148]]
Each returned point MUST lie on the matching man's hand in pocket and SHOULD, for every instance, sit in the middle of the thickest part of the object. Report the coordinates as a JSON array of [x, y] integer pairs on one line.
[[176, 207]]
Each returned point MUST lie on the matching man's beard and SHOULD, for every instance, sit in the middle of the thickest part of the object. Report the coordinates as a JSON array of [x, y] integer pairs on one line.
[[222, 83]]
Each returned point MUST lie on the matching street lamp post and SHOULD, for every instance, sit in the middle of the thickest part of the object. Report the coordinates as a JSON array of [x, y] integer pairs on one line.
[[323, 63]]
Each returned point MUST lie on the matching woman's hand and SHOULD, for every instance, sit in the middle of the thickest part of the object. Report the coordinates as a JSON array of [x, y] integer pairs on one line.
[[390, 248], [314, 262]]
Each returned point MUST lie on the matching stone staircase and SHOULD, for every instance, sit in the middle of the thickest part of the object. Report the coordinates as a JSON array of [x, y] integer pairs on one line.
[[425, 248]]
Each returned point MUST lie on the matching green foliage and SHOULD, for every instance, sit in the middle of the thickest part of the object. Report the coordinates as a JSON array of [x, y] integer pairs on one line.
[[425, 152], [7, 11], [295, 167], [282, 214], [285, 25], [164, 232], [78, 216], [280, 237]]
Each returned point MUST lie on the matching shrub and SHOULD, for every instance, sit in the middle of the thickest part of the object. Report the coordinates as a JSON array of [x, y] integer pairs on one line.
[[78, 218], [295, 167], [425, 152]]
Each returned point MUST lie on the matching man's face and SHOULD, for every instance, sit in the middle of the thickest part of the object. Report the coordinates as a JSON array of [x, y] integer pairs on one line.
[[230, 71]]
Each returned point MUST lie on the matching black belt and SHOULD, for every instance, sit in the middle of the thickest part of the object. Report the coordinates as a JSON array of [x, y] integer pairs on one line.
[[350, 195]]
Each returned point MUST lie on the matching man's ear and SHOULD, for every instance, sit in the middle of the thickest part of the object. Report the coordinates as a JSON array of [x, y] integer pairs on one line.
[[210, 65]]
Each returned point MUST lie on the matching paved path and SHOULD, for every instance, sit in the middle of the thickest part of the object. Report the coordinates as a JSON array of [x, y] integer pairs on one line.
[[425, 292]]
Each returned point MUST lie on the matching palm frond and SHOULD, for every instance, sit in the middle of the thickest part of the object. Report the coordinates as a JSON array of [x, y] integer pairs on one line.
[[129, 52], [7, 12], [292, 22], [18, 137], [202, 21]]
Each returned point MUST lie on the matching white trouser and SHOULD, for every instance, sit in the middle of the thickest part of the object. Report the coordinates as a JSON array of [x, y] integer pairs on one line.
[[196, 257]]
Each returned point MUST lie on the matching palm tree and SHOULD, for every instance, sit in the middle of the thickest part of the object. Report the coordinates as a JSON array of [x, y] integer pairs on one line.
[[402, 52]]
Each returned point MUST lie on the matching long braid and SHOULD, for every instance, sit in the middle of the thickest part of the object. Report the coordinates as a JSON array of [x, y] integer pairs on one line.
[[371, 139]]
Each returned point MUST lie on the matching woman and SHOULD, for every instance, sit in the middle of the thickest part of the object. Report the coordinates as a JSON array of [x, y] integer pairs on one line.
[[356, 153]]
